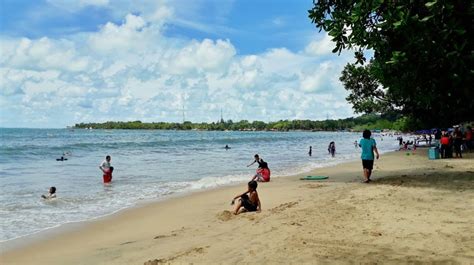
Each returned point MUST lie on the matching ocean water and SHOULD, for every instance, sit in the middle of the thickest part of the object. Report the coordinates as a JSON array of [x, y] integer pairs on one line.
[[148, 165]]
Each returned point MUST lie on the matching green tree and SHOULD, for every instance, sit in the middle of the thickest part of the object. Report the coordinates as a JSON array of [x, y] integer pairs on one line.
[[422, 54], [366, 93]]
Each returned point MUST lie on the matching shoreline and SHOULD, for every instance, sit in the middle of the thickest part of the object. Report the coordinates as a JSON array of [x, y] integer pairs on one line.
[[28, 239], [62, 229], [179, 217]]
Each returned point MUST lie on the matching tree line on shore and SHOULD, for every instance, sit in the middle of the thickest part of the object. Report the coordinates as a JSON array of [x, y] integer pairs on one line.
[[373, 122]]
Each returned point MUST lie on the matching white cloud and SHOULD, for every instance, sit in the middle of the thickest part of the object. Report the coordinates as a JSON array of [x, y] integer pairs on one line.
[[131, 35], [319, 79], [138, 89], [13, 80], [113, 69], [322, 46], [161, 14], [46, 54], [130, 70], [207, 55]]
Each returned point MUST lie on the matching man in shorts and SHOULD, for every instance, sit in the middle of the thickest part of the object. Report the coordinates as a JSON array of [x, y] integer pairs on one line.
[[107, 169], [368, 147]]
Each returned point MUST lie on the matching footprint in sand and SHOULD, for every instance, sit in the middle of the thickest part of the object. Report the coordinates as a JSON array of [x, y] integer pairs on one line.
[[196, 250], [283, 206], [155, 262], [128, 242], [252, 216], [225, 215], [293, 223], [165, 236], [313, 186], [172, 233], [375, 233]]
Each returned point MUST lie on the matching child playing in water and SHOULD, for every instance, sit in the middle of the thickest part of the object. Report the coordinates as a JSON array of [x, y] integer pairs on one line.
[[51, 195], [250, 202], [263, 172], [332, 148]]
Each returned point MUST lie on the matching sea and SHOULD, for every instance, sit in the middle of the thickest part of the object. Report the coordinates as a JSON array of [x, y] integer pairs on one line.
[[148, 165]]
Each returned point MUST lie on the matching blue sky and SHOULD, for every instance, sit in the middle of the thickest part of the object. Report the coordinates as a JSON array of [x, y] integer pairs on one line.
[[64, 62]]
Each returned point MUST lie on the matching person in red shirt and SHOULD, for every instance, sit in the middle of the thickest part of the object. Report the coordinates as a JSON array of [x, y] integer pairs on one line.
[[444, 145], [468, 138]]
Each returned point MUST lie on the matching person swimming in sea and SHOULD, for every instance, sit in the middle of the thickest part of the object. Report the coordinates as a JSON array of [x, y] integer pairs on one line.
[[50, 195], [226, 147]]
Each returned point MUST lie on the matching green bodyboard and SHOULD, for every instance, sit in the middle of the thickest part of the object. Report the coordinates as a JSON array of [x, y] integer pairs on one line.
[[314, 178]]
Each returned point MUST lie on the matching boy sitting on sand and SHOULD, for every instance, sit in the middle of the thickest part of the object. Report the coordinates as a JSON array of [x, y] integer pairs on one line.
[[250, 202], [51, 195]]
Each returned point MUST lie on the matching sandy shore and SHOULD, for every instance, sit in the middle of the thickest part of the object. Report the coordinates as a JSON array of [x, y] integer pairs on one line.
[[416, 210]]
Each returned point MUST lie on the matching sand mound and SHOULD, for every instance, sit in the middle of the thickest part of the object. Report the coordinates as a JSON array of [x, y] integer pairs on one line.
[[225, 215]]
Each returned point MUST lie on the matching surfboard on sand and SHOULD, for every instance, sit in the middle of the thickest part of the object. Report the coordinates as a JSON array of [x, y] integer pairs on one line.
[[314, 178]]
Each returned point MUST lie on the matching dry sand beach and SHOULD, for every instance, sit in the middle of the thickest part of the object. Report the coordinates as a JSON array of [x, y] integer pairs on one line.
[[415, 211]]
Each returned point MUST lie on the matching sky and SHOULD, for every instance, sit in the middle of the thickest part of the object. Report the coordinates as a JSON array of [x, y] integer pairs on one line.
[[64, 62]]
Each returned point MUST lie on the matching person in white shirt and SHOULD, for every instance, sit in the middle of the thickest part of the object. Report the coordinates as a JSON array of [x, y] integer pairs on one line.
[[107, 169], [51, 194]]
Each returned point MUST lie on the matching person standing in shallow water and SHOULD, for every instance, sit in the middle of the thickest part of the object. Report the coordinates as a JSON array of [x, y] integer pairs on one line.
[[310, 152], [332, 148], [369, 147], [107, 169]]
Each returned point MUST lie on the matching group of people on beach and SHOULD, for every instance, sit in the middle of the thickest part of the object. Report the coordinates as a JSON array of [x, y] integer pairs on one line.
[[249, 200], [450, 143], [458, 140]]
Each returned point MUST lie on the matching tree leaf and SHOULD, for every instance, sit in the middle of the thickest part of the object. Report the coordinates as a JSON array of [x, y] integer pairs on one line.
[[426, 18], [430, 4], [397, 24]]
